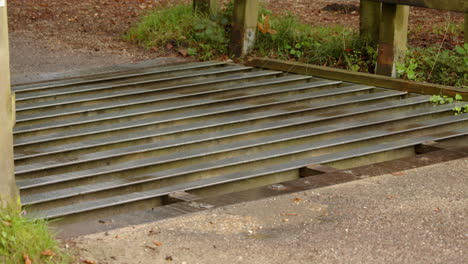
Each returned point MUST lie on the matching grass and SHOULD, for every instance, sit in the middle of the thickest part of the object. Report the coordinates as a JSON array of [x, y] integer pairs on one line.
[[22, 238], [285, 37], [180, 27], [336, 46]]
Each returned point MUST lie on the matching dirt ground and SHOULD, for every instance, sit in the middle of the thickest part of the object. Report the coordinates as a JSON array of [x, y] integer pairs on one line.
[[95, 27]]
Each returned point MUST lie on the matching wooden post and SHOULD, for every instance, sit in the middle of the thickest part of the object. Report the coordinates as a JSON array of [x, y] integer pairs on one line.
[[244, 27], [369, 25], [393, 37], [8, 189], [208, 7]]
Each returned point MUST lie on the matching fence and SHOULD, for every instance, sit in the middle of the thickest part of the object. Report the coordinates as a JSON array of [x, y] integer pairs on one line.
[[382, 22]]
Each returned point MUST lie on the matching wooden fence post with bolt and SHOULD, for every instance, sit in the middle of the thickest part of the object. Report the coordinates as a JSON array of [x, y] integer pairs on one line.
[[8, 189], [393, 35], [393, 29], [244, 27]]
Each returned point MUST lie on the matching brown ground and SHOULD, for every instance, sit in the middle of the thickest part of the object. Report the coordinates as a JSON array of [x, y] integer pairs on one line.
[[98, 25]]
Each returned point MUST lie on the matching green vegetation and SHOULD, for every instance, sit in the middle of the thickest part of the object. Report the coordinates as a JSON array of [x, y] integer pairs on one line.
[[447, 67], [23, 239], [450, 28], [327, 46], [443, 99], [285, 37], [180, 27]]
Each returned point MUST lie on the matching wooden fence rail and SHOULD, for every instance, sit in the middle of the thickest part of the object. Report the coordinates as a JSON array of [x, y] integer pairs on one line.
[[384, 23], [448, 5]]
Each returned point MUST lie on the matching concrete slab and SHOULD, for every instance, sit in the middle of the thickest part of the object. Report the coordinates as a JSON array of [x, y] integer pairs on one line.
[[414, 216]]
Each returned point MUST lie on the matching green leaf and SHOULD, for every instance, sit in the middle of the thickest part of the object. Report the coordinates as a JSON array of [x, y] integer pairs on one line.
[[411, 75], [460, 50], [434, 99], [192, 51], [458, 97]]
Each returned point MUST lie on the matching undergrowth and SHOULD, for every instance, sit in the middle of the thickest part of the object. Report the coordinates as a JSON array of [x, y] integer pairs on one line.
[[326, 46], [24, 240], [447, 67], [285, 37]]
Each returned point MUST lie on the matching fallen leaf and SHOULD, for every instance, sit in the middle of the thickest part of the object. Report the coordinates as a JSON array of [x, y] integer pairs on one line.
[[390, 197], [297, 200], [48, 253], [437, 209], [169, 46], [87, 261], [150, 247], [26, 258], [183, 52], [399, 173], [261, 28], [7, 223], [157, 243]]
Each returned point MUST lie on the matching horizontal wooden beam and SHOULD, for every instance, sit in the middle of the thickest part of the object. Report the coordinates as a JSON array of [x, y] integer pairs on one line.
[[449, 5], [358, 77]]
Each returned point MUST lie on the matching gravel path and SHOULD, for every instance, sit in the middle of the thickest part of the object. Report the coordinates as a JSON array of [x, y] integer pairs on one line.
[[34, 60]]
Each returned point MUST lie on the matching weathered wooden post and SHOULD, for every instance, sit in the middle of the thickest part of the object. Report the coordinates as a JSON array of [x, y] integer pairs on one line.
[[244, 27], [208, 7], [8, 189], [369, 25], [393, 35]]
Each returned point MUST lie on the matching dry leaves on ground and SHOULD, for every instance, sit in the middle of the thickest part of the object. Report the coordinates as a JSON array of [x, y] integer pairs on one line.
[[48, 253], [26, 258]]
